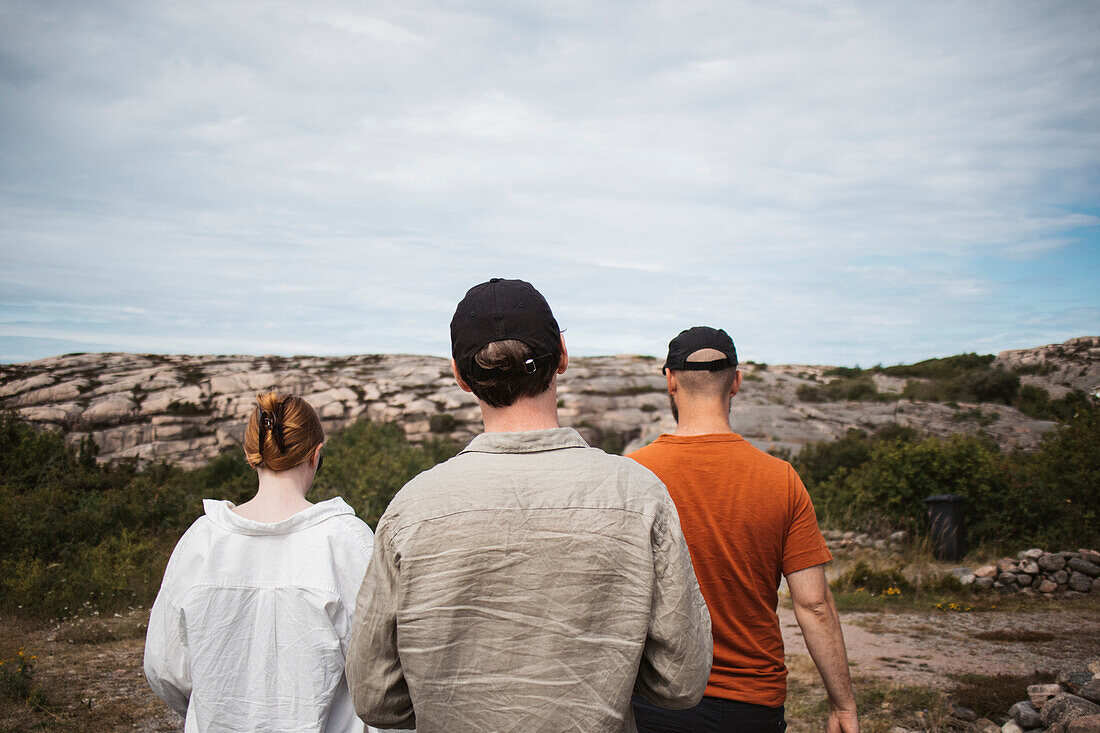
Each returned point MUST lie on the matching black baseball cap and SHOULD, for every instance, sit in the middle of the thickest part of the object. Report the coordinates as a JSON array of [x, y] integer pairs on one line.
[[499, 310], [700, 337]]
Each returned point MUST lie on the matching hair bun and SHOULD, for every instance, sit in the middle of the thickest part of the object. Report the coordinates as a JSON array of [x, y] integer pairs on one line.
[[282, 432]]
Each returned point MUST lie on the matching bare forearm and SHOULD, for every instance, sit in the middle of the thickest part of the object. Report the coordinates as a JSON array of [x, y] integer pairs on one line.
[[824, 637]]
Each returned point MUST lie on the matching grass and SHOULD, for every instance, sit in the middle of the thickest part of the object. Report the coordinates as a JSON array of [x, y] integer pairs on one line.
[[990, 695], [976, 414], [845, 388], [962, 601], [913, 580], [95, 630], [95, 685], [881, 705], [1014, 635]]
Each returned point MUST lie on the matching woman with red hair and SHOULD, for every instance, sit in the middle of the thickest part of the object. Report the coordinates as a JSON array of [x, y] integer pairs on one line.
[[250, 628]]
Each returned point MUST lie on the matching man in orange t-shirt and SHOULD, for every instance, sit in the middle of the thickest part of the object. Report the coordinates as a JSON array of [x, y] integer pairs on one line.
[[748, 520]]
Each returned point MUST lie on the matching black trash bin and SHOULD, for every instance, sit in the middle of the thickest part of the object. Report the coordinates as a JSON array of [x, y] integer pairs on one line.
[[947, 520]]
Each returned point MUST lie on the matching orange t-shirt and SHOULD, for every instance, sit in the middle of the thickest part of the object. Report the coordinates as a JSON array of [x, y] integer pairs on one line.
[[747, 519]]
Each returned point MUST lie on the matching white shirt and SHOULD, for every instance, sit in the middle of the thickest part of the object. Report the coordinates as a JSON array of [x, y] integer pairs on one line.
[[250, 628]]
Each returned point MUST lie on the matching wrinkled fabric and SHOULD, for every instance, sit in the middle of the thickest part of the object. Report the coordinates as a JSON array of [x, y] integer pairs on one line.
[[747, 519], [531, 583], [249, 630]]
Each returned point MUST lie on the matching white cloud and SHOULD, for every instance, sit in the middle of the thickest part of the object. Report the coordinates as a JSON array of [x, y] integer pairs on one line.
[[679, 162]]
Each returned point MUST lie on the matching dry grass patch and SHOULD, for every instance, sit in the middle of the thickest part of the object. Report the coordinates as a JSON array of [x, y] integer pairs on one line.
[[881, 705], [89, 682], [1015, 635], [96, 630], [990, 695]]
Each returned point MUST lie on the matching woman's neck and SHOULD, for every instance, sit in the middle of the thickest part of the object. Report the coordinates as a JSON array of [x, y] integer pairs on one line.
[[280, 495]]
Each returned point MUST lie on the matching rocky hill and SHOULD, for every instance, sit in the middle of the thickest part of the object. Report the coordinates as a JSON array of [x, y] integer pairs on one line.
[[187, 409]]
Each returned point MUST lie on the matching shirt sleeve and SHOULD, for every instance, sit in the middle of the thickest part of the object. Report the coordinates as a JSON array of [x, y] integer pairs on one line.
[[804, 546], [167, 664], [676, 659], [375, 678]]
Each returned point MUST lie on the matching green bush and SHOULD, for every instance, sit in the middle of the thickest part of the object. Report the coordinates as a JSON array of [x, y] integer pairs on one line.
[[368, 462], [945, 368], [823, 461], [845, 372], [443, 422], [862, 577], [1036, 402], [988, 385], [858, 388], [185, 408], [1043, 498], [76, 535], [17, 678], [890, 487], [966, 378]]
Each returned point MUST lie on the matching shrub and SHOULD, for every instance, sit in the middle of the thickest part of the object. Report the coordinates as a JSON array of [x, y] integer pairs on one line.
[[75, 535], [1043, 498], [17, 677], [990, 696], [862, 577], [822, 461], [1036, 402], [860, 388], [368, 462], [892, 484], [846, 372], [443, 422], [978, 415], [989, 385], [944, 368]]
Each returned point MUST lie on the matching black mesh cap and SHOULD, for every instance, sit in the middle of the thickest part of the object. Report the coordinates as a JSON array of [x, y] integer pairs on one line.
[[700, 337], [499, 310]]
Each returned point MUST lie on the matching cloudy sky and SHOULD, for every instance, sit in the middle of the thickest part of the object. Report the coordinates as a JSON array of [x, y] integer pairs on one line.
[[831, 182]]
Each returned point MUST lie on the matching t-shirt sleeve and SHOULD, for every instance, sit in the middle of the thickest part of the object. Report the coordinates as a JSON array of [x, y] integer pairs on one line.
[[804, 546]]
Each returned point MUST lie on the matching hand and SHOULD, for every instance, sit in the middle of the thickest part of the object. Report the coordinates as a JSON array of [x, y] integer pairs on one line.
[[842, 721]]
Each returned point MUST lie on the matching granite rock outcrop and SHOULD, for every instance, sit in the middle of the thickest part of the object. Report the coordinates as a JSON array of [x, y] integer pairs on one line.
[[187, 409]]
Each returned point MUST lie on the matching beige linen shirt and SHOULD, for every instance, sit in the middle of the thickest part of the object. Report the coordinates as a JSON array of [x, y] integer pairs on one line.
[[531, 583]]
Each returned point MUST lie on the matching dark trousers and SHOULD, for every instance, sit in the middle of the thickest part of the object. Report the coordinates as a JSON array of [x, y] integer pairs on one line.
[[711, 715]]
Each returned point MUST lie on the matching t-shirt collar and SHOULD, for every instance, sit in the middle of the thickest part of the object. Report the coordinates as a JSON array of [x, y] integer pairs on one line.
[[705, 438], [528, 441]]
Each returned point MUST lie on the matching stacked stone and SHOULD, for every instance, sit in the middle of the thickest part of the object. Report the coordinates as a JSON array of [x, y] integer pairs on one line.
[[1065, 573], [840, 540], [1060, 707]]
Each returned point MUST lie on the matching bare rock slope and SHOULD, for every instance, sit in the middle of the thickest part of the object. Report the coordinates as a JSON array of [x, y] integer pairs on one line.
[[187, 409]]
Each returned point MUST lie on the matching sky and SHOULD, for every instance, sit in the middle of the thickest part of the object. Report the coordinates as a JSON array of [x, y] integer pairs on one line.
[[831, 182]]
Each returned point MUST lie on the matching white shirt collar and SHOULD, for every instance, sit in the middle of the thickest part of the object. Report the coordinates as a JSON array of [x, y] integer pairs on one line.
[[222, 515]]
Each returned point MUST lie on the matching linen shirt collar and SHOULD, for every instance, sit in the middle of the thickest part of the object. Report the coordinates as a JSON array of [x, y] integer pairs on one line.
[[528, 441], [222, 515]]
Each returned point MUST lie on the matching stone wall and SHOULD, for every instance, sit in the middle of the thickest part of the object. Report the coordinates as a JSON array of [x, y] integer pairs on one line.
[[1065, 573]]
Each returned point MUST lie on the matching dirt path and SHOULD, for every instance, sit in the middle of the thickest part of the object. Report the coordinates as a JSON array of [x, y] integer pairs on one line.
[[923, 648], [98, 684]]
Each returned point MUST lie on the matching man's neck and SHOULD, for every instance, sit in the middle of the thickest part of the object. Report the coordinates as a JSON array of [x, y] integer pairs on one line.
[[526, 413], [704, 419]]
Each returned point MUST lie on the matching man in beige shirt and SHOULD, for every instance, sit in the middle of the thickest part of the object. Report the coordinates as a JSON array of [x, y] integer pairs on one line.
[[531, 583]]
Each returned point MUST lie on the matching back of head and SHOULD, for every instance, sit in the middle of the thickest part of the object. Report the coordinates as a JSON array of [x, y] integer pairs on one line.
[[705, 383], [505, 341], [704, 360], [282, 432]]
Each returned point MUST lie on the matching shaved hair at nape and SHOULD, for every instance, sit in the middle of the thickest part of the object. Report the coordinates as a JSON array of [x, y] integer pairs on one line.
[[703, 383]]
